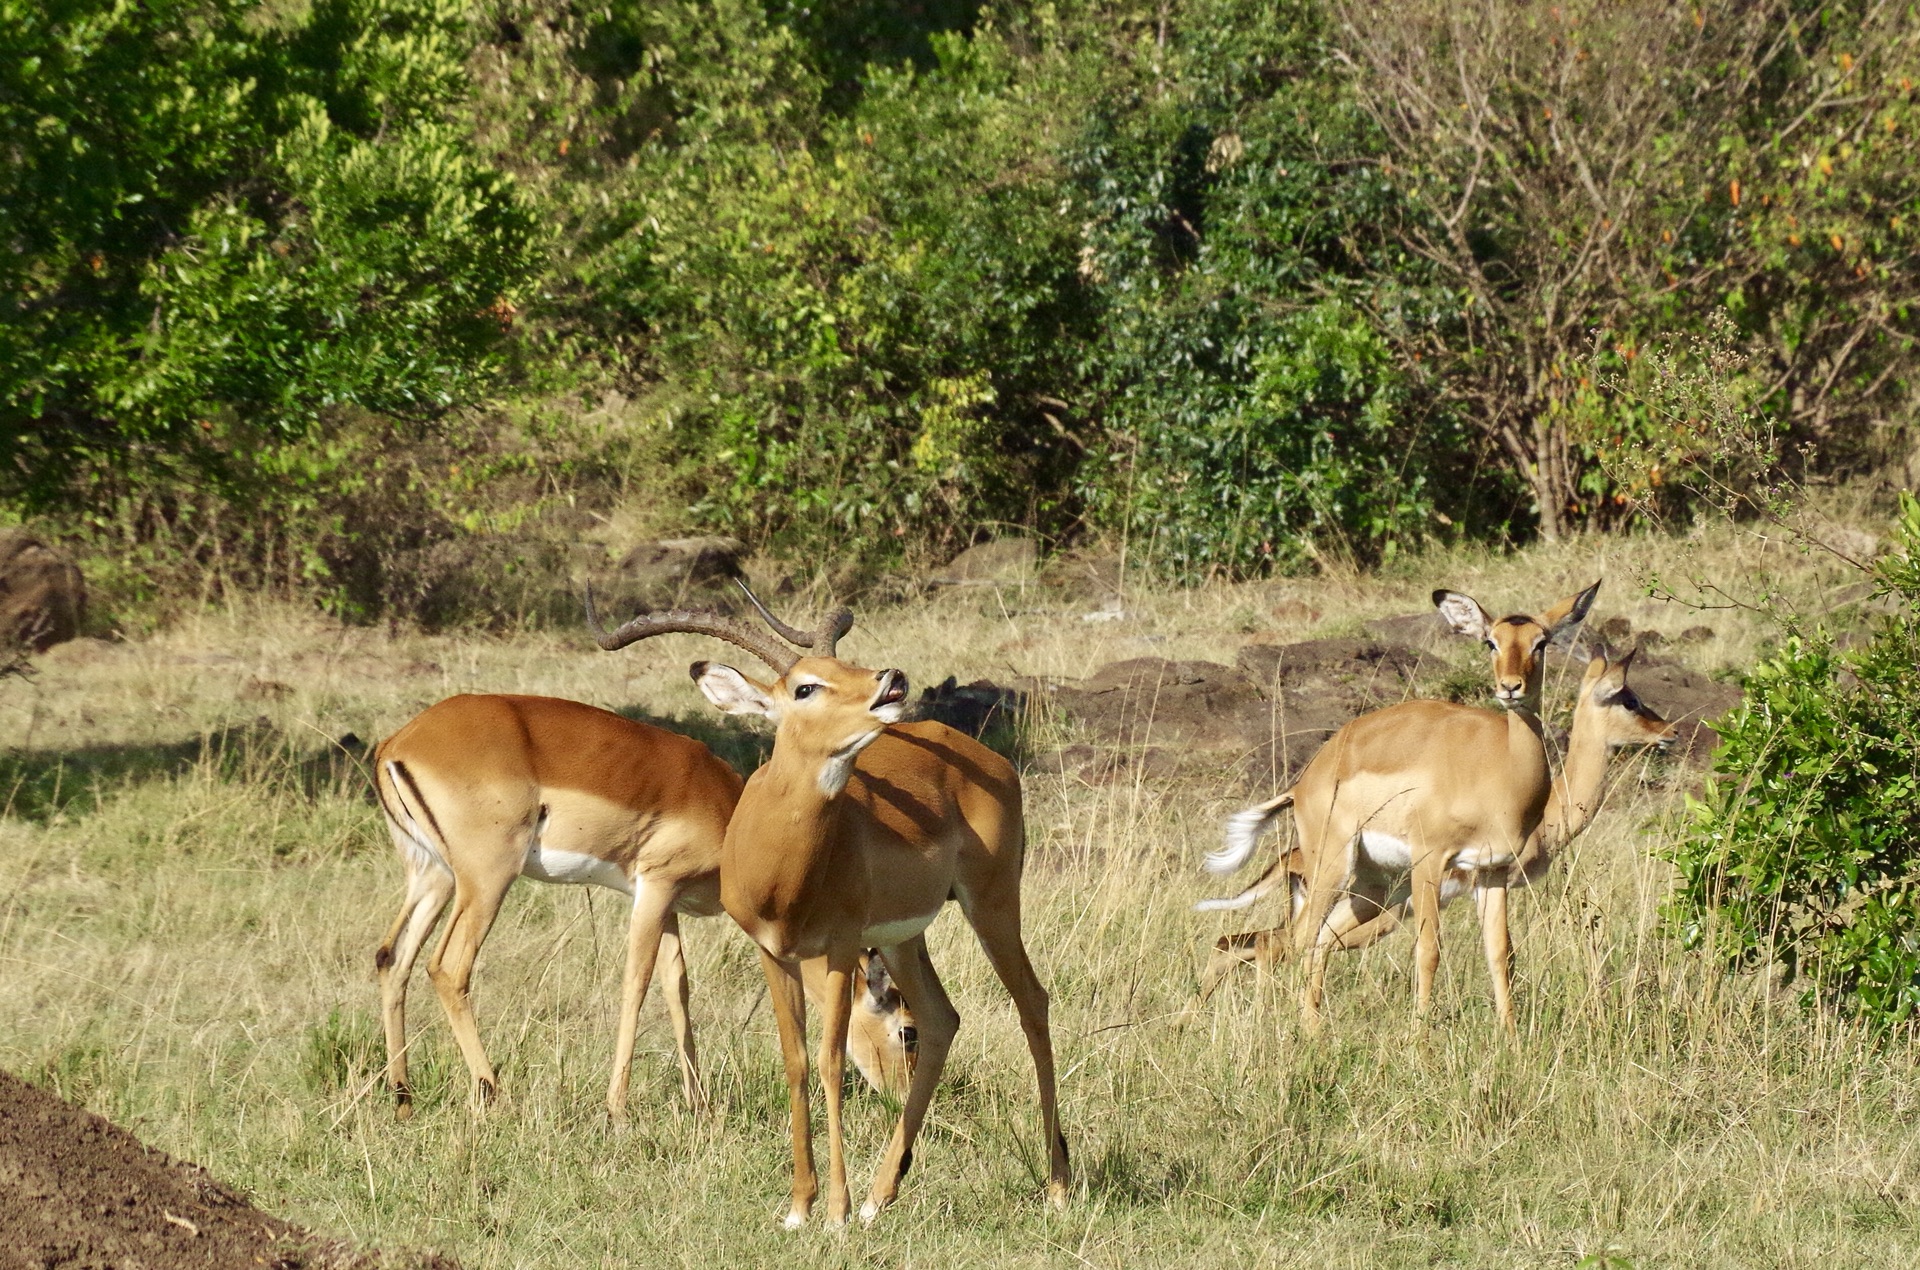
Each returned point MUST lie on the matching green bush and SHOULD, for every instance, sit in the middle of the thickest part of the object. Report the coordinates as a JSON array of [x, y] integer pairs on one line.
[[221, 227], [1230, 279], [1805, 851]]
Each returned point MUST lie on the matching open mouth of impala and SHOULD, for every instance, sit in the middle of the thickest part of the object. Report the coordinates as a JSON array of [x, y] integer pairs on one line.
[[893, 690]]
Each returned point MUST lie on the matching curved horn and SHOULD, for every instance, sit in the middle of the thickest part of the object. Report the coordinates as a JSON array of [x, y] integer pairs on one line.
[[833, 627], [695, 623]]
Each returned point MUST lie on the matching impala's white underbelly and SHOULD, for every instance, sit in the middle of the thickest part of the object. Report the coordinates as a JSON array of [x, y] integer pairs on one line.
[[1395, 855], [887, 934], [1476, 858], [548, 865], [1386, 852]]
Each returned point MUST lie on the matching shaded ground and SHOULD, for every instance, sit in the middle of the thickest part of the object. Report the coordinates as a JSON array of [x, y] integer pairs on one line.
[[78, 1191]]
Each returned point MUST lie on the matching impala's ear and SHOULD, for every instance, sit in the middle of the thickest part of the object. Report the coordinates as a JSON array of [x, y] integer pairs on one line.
[[733, 691], [1610, 677], [1463, 614], [1569, 613]]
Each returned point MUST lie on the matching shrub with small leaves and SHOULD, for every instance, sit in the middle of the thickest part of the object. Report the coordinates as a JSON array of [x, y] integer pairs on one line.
[[1803, 853]]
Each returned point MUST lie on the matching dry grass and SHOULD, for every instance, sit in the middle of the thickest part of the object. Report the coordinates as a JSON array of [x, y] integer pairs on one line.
[[187, 931]]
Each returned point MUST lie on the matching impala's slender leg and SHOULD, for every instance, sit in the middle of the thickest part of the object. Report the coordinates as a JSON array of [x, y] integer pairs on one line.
[[1426, 932], [1491, 903], [673, 985], [652, 905], [476, 902], [1373, 930], [429, 887], [790, 1013], [995, 916], [938, 1022], [836, 1009], [1230, 951], [1309, 937]]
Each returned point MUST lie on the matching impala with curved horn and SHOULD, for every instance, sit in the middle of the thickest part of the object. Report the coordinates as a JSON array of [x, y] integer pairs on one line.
[[480, 790], [1608, 715], [856, 833], [1425, 788]]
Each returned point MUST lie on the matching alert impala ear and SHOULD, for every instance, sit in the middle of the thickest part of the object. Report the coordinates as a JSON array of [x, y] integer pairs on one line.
[[1561, 619], [732, 691], [1463, 614], [1614, 681]]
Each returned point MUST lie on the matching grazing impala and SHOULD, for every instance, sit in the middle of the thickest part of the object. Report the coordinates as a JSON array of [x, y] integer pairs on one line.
[[1427, 788], [856, 833], [480, 790], [1607, 716]]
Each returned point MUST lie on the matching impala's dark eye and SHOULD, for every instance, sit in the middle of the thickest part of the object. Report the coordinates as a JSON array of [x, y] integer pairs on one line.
[[1495, 647], [804, 691]]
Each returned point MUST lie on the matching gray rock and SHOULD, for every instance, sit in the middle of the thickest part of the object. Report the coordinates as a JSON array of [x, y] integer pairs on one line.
[[1094, 576], [1425, 631], [1857, 543], [1001, 562], [1615, 630], [43, 598], [682, 563]]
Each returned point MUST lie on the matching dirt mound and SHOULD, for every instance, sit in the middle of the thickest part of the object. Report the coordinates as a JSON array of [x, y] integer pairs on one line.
[[77, 1191], [1270, 710], [1278, 703], [1689, 700]]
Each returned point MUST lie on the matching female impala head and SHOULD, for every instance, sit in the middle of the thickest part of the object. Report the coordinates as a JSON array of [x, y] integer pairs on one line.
[[1518, 642], [1614, 710]]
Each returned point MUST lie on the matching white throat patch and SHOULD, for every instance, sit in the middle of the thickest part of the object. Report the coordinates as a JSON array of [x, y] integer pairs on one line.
[[838, 769]]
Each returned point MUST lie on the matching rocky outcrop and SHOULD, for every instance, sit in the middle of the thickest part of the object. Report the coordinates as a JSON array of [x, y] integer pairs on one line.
[[670, 573], [43, 598], [1002, 562]]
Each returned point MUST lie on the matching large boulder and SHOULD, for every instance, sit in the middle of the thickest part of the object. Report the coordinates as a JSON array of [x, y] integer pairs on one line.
[[43, 598], [683, 562], [675, 572], [1001, 562]]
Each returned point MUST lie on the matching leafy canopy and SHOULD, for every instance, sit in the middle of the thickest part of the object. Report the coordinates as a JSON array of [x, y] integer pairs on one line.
[[218, 224]]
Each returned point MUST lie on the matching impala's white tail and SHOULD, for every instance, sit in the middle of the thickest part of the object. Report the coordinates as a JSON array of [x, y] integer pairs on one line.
[[1243, 834]]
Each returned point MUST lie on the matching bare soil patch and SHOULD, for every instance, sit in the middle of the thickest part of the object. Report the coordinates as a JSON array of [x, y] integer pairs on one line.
[[78, 1191]]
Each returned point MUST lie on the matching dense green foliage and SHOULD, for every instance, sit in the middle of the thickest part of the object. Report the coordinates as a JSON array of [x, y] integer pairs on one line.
[[1804, 852], [219, 227], [1228, 279]]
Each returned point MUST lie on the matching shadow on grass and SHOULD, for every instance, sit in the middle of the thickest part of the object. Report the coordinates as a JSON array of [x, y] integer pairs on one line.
[[36, 785], [743, 748]]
